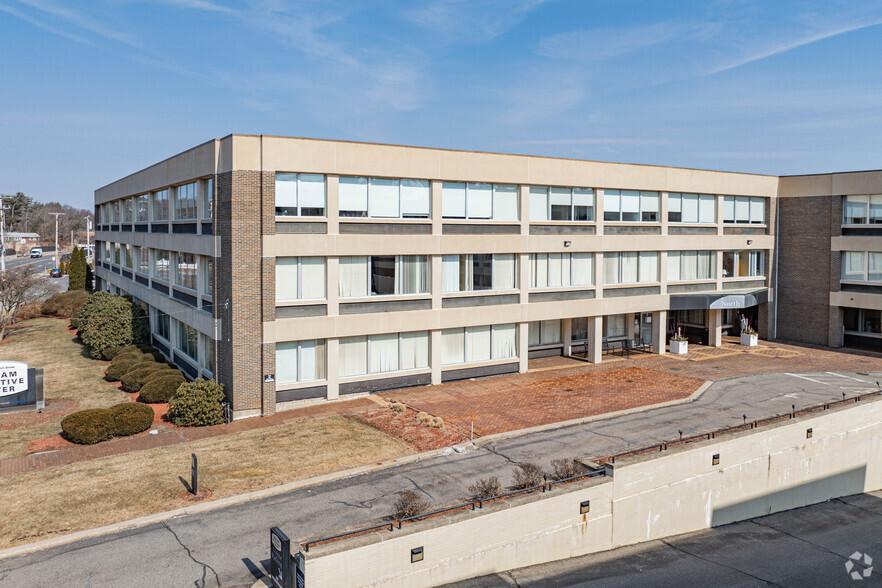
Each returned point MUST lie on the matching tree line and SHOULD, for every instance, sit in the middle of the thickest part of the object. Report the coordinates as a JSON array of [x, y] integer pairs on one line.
[[23, 215]]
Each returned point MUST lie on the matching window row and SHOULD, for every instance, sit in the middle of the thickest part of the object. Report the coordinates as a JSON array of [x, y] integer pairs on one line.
[[692, 208], [744, 210], [550, 332], [743, 264], [630, 267], [158, 206], [862, 210], [865, 321], [862, 266], [169, 266], [184, 339]]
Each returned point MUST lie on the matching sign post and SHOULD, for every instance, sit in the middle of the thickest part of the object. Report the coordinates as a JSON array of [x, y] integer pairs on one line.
[[20, 387], [280, 559], [194, 475]]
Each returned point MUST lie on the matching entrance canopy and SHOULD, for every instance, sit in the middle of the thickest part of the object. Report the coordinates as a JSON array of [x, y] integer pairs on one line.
[[719, 300]]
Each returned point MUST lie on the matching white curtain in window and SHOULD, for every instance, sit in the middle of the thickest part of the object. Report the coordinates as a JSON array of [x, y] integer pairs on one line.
[[689, 265], [554, 276], [611, 201], [756, 263], [312, 276], [550, 332], [353, 195], [561, 204], [479, 203], [414, 350], [383, 352], [477, 344], [874, 266], [453, 200], [286, 278], [690, 208], [286, 190], [353, 276], [538, 204], [675, 202], [353, 356], [729, 208], [566, 269], [707, 209], [649, 201], [629, 267], [286, 363], [414, 272], [450, 273], [583, 197], [630, 201], [706, 267], [452, 346], [415, 199], [504, 271], [504, 341], [311, 361], [383, 198], [673, 266], [505, 202], [649, 266], [312, 191], [742, 209], [583, 269], [757, 210], [614, 325], [855, 209], [539, 270], [610, 268], [534, 332]]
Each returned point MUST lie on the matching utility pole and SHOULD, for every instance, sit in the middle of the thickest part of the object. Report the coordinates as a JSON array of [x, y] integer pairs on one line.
[[56, 215], [2, 236], [88, 230]]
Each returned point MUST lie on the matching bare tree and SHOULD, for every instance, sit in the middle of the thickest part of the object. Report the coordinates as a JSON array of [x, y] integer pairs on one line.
[[18, 287]]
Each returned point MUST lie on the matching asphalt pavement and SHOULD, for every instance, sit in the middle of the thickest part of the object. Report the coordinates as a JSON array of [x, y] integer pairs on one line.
[[230, 546]]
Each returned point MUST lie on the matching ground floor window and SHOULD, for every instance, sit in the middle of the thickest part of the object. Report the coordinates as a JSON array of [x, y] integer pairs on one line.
[[161, 324], [472, 344], [188, 341], [614, 326], [580, 329], [300, 361], [377, 354], [865, 321], [545, 333]]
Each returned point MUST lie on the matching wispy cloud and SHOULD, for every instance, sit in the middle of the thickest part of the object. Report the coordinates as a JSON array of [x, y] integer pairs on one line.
[[589, 141], [46, 27], [79, 19], [468, 21], [200, 5], [596, 44]]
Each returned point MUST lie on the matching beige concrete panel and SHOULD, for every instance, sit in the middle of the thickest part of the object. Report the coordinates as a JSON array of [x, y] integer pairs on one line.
[[659, 331], [595, 339], [523, 347], [550, 171], [247, 152], [224, 155], [856, 300], [299, 155], [815, 185], [394, 161], [198, 244], [867, 243], [483, 167], [626, 176], [435, 362], [868, 182]]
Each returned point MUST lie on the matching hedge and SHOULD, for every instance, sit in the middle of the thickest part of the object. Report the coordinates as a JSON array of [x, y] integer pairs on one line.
[[130, 418], [107, 320], [162, 389], [89, 426], [136, 377], [116, 371], [64, 304], [197, 404]]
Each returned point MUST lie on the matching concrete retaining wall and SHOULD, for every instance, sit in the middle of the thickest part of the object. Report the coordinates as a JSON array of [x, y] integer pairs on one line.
[[656, 495]]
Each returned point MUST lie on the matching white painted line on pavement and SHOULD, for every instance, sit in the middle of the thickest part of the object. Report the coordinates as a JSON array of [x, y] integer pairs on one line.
[[806, 378], [849, 377]]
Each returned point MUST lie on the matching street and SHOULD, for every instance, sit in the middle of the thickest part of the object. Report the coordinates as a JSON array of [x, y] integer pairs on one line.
[[229, 546]]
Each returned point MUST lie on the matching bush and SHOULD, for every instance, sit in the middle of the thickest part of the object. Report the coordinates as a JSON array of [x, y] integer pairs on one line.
[[135, 378], [436, 422], [89, 426], [110, 353], [567, 468], [106, 320], [130, 418], [64, 304], [197, 404], [486, 488], [397, 407], [120, 353], [29, 311], [527, 475], [76, 269], [162, 389], [409, 504], [115, 371]]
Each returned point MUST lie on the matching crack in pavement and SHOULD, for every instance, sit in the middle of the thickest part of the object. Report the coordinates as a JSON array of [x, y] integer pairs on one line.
[[622, 439], [363, 504], [716, 563], [417, 486], [505, 457], [190, 555], [513, 579]]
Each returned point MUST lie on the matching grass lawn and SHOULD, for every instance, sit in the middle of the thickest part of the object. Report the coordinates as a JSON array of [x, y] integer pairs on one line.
[[83, 495], [68, 373]]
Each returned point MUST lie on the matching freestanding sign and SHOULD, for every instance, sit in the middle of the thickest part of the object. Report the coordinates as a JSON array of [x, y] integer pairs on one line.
[[20, 388], [280, 559]]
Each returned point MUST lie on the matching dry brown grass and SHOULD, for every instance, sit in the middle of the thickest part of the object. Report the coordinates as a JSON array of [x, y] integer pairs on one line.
[[65, 499], [67, 373]]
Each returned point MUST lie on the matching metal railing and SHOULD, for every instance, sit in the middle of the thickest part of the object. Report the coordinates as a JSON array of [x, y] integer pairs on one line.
[[437, 512], [346, 534]]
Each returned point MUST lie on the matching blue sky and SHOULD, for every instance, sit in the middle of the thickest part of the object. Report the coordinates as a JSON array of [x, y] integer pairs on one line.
[[96, 89]]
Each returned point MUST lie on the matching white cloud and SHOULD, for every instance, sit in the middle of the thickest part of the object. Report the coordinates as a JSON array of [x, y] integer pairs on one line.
[[79, 19], [469, 21]]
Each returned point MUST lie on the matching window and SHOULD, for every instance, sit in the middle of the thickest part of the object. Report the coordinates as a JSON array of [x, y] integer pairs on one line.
[[560, 270], [128, 256], [692, 208], [208, 276], [475, 200], [114, 209], [160, 264], [630, 206], [376, 354], [862, 266], [384, 275], [862, 320], [141, 208], [744, 210], [384, 198], [300, 278], [128, 210], [545, 333], [471, 344], [862, 210], [742, 264], [206, 344], [561, 204], [161, 325], [691, 265], [630, 267], [579, 329], [207, 198], [160, 205], [188, 341], [185, 271], [300, 194], [467, 273], [116, 253], [300, 361], [142, 255], [614, 326], [185, 201]]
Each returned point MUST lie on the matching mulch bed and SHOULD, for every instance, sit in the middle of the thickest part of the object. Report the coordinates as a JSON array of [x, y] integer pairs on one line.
[[50, 443], [55, 407], [405, 427]]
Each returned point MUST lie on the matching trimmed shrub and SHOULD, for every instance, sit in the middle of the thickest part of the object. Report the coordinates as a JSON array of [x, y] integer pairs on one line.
[[130, 418], [89, 426], [567, 468], [106, 320], [409, 504], [122, 353], [64, 304], [135, 378], [486, 488], [197, 404], [161, 389], [115, 371], [527, 475], [76, 269], [110, 353]]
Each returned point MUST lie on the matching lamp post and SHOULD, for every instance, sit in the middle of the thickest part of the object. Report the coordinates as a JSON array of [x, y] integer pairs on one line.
[[56, 214]]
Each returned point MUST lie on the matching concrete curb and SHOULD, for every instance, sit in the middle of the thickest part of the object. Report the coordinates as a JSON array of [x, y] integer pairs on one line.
[[330, 477]]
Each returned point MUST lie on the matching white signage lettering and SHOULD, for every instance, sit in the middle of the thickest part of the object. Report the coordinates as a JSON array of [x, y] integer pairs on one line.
[[13, 377]]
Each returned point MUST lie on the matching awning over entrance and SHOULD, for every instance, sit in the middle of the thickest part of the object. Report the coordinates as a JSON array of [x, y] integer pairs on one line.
[[719, 300]]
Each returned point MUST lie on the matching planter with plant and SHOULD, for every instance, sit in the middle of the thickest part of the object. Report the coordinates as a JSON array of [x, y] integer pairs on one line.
[[679, 344], [749, 337]]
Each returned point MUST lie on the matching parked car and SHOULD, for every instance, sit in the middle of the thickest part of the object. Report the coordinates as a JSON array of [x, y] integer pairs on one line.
[[55, 273], [36, 252]]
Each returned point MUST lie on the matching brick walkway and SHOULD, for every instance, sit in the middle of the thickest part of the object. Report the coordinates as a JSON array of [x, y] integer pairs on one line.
[[172, 436]]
